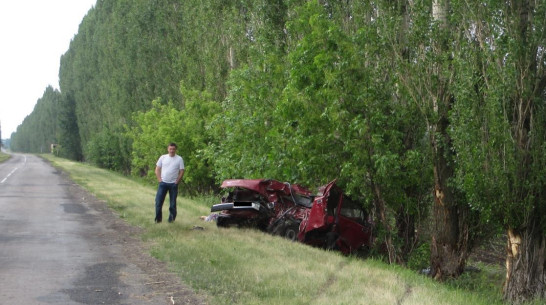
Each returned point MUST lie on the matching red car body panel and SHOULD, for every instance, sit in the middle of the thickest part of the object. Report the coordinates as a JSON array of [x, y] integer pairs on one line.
[[328, 219], [268, 188], [317, 216]]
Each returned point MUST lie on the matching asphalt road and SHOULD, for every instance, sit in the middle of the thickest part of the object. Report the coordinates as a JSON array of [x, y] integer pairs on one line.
[[58, 245]]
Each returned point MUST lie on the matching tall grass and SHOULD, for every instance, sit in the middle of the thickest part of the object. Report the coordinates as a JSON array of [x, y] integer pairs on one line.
[[4, 156], [236, 266]]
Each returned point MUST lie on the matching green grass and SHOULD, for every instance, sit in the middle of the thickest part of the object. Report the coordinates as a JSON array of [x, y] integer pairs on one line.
[[4, 157], [234, 266]]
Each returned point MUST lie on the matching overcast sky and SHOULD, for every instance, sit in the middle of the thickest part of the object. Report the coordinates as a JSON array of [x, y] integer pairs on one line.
[[33, 35]]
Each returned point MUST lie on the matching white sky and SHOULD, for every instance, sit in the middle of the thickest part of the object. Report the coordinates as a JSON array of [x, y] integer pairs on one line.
[[33, 36]]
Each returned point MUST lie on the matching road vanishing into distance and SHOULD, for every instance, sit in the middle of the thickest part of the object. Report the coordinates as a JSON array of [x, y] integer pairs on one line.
[[60, 245]]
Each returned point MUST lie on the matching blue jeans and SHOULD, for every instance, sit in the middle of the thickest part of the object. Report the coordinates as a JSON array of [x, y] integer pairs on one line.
[[162, 190]]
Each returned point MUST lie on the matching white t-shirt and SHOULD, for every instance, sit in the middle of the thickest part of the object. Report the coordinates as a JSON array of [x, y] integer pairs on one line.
[[170, 167]]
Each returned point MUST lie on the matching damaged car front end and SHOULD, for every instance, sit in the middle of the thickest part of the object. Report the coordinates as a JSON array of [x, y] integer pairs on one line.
[[256, 202], [328, 219]]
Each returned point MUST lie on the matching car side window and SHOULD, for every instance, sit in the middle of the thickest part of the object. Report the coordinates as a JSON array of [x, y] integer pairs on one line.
[[353, 210], [333, 200]]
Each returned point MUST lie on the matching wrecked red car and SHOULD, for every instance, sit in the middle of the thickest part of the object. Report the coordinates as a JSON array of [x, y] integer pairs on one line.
[[327, 219]]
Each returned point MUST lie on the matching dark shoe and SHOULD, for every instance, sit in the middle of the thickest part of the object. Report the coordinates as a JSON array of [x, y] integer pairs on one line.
[[157, 221], [171, 220]]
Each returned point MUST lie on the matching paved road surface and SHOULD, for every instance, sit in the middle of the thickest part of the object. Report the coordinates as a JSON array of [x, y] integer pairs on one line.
[[58, 245]]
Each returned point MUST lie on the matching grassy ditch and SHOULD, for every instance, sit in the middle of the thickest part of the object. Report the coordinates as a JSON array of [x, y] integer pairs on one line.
[[233, 266], [4, 157]]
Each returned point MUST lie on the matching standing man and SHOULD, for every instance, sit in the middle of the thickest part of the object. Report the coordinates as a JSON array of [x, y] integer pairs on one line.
[[169, 171]]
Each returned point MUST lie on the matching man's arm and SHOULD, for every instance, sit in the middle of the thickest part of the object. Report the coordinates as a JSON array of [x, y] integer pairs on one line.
[[158, 173], [180, 175]]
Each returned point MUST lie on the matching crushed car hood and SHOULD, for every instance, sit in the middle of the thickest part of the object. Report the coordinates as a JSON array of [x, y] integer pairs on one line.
[[265, 186]]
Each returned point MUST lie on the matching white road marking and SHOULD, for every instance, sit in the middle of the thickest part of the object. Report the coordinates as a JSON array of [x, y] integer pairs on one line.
[[14, 170]]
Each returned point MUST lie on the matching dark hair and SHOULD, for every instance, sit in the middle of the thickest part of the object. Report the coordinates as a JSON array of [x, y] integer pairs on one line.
[[173, 144]]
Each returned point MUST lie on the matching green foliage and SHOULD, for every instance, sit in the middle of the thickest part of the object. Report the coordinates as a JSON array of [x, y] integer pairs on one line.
[[310, 91], [235, 266], [197, 115], [342, 120], [482, 279], [106, 150], [69, 136], [153, 131], [500, 164], [128, 53], [39, 129], [163, 124], [307, 116], [420, 258], [498, 130], [244, 131]]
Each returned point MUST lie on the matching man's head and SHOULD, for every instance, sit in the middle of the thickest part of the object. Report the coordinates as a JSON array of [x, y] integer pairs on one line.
[[172, 149]]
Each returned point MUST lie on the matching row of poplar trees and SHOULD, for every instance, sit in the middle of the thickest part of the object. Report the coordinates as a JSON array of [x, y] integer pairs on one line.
[[431, 111]]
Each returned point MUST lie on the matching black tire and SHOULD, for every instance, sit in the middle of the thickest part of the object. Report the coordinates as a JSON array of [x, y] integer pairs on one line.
[[331, 241], [291, 230], [223, 222]]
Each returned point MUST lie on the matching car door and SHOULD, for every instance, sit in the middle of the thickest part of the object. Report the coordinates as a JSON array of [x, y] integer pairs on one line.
[[352, 225], [318, 217]]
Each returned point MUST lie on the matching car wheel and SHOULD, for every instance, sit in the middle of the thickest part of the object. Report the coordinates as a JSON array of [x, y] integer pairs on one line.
[[223, 222], [331, 241], [291, 231]]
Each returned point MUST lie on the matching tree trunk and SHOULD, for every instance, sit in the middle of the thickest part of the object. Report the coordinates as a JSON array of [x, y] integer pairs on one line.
[[450, 233], [382, 212], [449, 244], [440, 11], [406, 229], [526, 244], [525, 265]]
